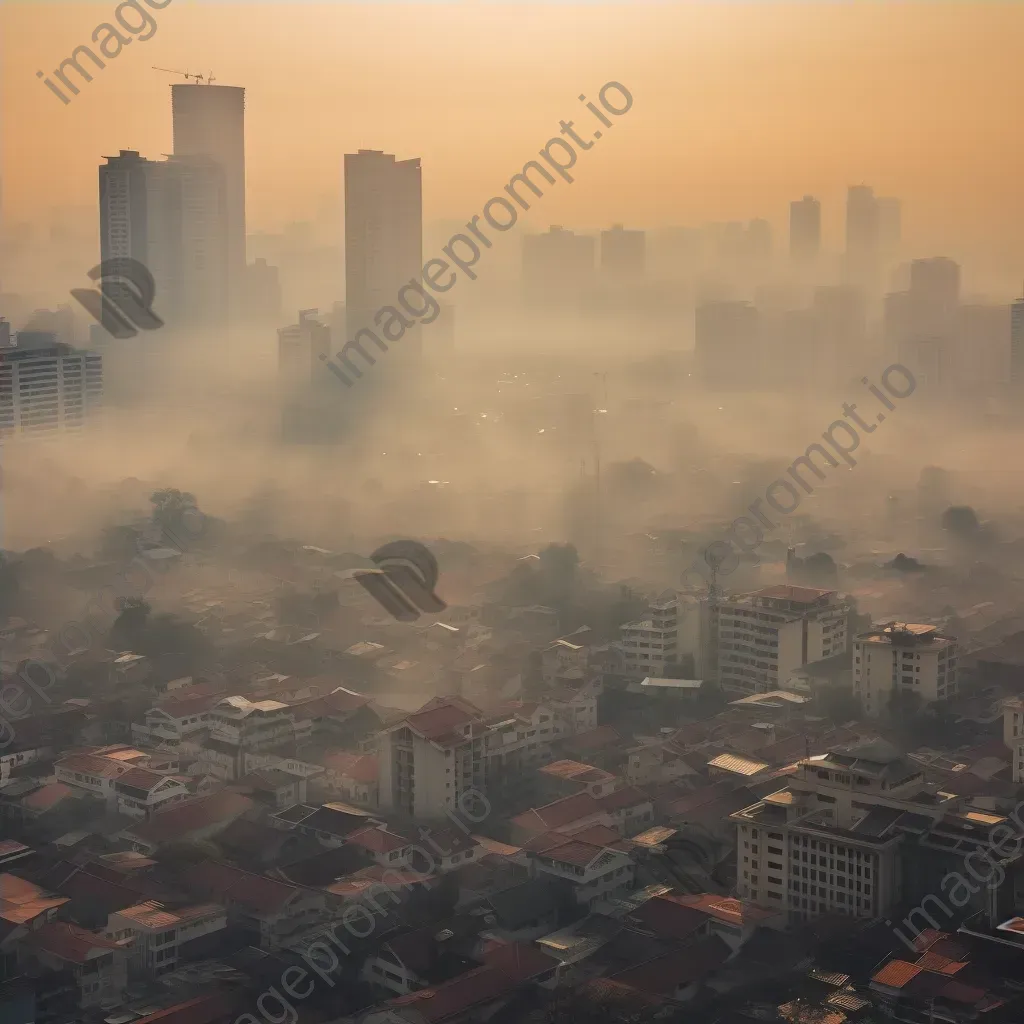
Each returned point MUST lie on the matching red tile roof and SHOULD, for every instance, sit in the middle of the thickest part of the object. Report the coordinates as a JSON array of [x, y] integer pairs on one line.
[[578, 854], [181, 820], [598, 835], [942, 964], [225, 884], [440, 718], [896, 974], [519, 960], [215, 1008], [22, 901], [93, 764], [47, 797], [558, 813], [726, 908], [478, 987], [575, 771], [141, 778], [667, 917], [506, 968], [378, 840], [69, 942], [628, 796]]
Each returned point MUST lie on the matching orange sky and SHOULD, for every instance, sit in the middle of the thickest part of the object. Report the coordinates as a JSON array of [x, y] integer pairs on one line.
[[739, 107]]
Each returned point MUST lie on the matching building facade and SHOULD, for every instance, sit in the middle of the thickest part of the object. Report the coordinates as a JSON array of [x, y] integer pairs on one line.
[[804, 229], [765, 636], [383, 236], [829, 843], [46, 387], [903, 657], [209, 123]]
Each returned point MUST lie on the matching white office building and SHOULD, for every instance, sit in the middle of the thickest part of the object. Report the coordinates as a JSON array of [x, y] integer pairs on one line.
[[766, 636], [829, 842], [46, 387], [906, 657]]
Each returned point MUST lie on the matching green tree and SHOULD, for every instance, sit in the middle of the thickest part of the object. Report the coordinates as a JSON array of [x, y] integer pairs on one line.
[[175, 512]]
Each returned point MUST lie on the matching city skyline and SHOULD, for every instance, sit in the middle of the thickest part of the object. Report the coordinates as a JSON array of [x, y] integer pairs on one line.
[[701, 173]]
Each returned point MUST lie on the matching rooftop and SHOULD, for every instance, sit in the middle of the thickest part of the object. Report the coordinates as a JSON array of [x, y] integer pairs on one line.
[[69, 942]]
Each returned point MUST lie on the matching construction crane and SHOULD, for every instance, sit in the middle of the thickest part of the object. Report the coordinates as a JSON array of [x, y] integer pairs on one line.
[[209, 79]]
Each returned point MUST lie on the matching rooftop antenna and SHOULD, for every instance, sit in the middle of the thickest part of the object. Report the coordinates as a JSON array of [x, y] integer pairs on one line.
[[184, 74]]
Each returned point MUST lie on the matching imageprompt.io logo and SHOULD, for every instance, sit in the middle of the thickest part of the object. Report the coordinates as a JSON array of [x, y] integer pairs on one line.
[[404, 583], [123, 303]]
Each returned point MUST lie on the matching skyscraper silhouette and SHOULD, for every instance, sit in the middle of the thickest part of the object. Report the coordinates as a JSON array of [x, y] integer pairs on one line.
[[623, 253], [171, 216], [209, 121], [383, 237], [861, 229], [1017, 343], [804, 229]]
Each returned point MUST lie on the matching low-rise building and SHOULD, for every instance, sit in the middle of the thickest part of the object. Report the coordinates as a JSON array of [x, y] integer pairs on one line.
[[92, 772], [141, 792], [903, 658], [200, 818], [595, 869], [271, 911], [161, 936], [173, 719], [98, 965]]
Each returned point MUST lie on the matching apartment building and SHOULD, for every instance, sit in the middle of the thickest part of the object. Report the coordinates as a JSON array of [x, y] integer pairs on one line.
[[46, 386], [650, 644], [904, 657], [251, 725], [830, 842], [765, 636], [430, 760]]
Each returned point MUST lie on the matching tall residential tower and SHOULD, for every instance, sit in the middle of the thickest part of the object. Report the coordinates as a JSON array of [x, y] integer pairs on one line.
[[383, 235], [209, 121]]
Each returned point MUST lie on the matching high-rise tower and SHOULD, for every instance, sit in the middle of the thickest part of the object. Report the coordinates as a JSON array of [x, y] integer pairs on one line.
[[804, 229], [383, 236], [209, 121]]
